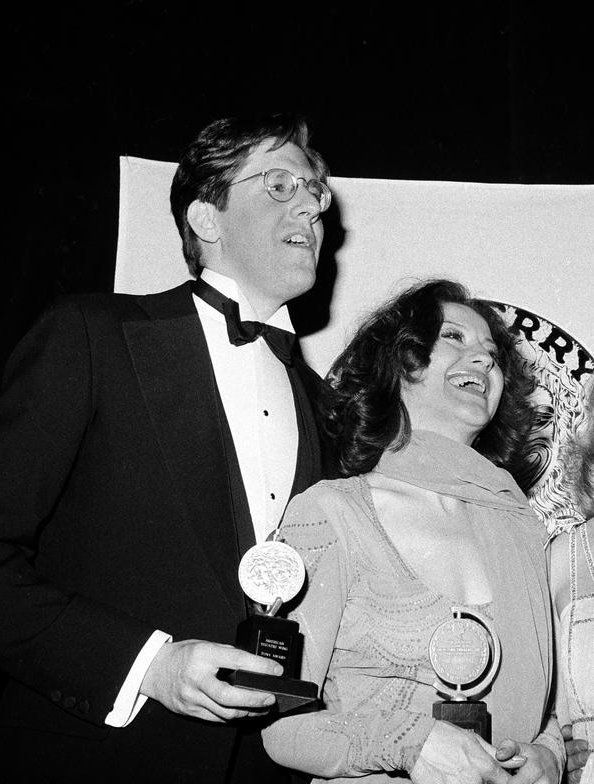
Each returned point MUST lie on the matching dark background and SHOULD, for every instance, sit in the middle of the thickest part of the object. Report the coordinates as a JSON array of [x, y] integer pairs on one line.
[[484, 91]]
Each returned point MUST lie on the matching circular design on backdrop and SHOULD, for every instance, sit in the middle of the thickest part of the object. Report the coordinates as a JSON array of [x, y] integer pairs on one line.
[[271, 570], [563, 370]]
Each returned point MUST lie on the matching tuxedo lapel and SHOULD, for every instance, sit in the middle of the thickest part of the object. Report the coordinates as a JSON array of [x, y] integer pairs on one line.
[[173, 367], [323, 454], [308, 469]]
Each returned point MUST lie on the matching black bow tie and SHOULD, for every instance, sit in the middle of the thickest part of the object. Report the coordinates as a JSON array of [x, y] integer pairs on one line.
[[280, 341]]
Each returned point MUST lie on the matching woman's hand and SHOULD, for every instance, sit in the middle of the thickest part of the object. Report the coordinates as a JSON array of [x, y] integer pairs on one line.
[[454, 756], [577, 755], [540, 767]]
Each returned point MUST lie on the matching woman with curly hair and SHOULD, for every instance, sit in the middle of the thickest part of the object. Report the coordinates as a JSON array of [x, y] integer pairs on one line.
[[572, 586], [429, 411]]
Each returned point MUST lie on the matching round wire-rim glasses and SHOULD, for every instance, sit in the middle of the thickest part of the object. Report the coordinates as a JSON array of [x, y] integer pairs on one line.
[[281, 185]]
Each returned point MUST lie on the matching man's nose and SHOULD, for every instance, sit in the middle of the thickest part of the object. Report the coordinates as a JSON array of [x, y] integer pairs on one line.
[[304, 202]]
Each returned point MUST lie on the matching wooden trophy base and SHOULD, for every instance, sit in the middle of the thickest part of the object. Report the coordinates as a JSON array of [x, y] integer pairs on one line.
[[290, 693], [465, 714], [278, 639]]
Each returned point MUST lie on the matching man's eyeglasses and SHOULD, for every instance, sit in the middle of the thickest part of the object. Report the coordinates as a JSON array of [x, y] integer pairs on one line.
[[282, 185]]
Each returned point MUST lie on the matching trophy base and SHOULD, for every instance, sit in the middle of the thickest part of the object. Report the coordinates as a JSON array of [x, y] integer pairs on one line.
[[466, 714], [290, 693]]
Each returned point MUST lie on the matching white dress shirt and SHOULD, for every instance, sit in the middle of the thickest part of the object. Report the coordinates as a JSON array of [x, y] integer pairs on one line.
[[258, 403]]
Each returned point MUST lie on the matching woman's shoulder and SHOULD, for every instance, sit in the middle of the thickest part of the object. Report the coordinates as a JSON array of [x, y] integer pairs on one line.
[[333, 496], [327, 510], [560, 542], [569, 562]]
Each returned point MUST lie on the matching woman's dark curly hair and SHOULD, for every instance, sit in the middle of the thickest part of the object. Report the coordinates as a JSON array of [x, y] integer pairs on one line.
[[362, 408]]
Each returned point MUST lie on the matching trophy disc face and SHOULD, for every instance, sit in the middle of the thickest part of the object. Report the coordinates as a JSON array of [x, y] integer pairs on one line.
[[270, 570], [459, 651]]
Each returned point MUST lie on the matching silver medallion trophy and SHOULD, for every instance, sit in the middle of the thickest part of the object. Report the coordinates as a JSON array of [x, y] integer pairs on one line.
[[271, 574], [465, 654]]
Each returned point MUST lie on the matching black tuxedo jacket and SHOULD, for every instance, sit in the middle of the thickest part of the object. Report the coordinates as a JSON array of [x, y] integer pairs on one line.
[[118, 516]]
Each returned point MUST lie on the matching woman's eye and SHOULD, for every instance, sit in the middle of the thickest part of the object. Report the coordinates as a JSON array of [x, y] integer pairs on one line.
[[454, 334]]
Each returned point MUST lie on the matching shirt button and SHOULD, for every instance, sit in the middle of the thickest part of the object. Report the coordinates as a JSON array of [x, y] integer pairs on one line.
[[55, 695], [70, 702], [83, 707], [272, 496], [265, 412]]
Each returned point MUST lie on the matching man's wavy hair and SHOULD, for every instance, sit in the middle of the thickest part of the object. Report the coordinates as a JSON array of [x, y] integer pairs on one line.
[[211, 162], [363, 411]]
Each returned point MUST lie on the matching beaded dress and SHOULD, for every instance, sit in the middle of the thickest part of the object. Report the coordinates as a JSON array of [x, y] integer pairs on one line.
[[575, 637], [367, 617]]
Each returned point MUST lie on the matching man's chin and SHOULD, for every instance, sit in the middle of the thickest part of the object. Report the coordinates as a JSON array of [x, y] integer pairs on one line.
[[303, 286]]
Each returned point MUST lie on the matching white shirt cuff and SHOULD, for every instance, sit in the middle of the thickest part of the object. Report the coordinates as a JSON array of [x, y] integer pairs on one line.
[[129, 701]]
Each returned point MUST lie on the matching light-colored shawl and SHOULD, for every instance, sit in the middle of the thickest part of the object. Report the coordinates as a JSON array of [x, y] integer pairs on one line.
[[511, 539]]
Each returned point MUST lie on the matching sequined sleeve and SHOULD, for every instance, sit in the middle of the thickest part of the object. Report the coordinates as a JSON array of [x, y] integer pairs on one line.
[[337, 742], [551, 738]]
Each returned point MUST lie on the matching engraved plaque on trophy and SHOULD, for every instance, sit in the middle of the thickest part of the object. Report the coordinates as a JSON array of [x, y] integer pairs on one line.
[[271, 574], [465, 653]]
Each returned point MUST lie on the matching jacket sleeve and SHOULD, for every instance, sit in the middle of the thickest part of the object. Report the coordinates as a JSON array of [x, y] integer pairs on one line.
[[54, 641], [334, 743]]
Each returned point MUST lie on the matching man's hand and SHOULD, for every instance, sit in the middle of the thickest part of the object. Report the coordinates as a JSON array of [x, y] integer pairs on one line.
[[540, 766], [451, 755], [577, 755], [183, 677]]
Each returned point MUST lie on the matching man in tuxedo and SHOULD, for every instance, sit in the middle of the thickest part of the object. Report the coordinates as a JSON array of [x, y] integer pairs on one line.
[[146, 443]]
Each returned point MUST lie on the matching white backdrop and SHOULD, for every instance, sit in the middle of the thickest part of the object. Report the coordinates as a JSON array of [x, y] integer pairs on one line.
[[528, 245]]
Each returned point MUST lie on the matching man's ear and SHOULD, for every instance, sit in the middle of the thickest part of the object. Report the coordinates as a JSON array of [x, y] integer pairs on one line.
[[202, 217]]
